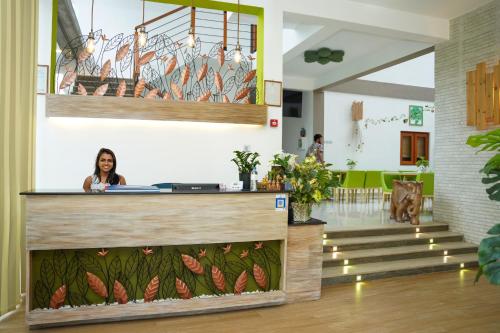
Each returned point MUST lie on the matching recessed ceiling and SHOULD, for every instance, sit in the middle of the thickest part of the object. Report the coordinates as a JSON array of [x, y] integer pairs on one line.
[[446, 9]]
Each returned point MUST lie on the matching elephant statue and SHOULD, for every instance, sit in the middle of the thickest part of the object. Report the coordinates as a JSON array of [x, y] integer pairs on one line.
[[406, 201]]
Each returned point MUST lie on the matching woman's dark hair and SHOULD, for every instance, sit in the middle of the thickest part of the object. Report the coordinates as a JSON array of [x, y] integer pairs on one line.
[[317, 137], [113, 177]]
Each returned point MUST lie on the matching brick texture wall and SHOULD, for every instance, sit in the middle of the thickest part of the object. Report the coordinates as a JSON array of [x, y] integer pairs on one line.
[[460, 197]]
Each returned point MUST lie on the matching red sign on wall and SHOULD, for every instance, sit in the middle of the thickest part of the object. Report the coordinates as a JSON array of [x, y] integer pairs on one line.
[[274, 122]]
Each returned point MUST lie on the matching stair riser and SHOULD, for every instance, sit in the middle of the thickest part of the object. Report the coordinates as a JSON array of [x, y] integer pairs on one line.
[[405, 272], [401, 256], [406, 242], [384, 232]]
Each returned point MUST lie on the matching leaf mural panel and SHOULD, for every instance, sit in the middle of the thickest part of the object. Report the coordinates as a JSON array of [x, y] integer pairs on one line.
[[113, 42], [60, 263], [210, 80], [239, 76], [228, 85], [214, 51], [47, 274], [41, 295]]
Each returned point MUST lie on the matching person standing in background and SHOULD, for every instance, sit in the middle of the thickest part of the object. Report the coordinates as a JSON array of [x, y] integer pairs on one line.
[[316, 149]]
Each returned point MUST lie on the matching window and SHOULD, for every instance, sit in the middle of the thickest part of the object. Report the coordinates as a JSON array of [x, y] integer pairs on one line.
[[413, 146]]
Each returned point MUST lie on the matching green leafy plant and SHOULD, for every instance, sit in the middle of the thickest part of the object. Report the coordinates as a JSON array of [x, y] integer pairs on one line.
[[422, 163], [285, 161], [351, 164], [489, 256], [246, 161], [311, 181]]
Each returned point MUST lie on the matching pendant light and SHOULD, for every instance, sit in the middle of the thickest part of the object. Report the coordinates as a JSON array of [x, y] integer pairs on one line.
[[142, 35], [237, 51], [90, 47], [190, 41]]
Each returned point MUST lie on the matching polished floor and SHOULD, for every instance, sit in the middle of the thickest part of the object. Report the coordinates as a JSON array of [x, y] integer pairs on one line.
[[430, 303], [361, 215]]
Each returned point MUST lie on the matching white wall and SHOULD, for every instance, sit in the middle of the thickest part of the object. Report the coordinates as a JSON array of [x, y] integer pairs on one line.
[[381, 150], [292, 126], [153, 151]]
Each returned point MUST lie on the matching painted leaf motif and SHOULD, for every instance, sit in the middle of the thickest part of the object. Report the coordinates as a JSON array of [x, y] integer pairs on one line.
[[247, 101], [185, 75], [139, 88], [182, 289], [120, 293], [68, 80], [146, 57], [225, 99], [192, 264], [218, 278], [209, 80], [241, 283], [57, 299], [106, 68], [167, 96], [96, 285], [228, 85], [221, 57], [218, 82], [83, 55], [151, 289], [81, 90], [214, 51], [113, 42], [196, 91], [122, 87], [101, 90], [242, 93], [239, 76], [202, 72], [122, 52], [152, 93], [249, 77], [171, 66], [205, 97], [177, 91], [260, 276]]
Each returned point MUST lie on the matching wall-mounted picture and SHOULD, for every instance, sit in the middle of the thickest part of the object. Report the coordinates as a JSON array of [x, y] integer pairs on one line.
[[273, 93], [416, 115]]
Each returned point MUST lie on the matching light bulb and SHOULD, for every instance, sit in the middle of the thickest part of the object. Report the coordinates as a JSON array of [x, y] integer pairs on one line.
[[90, 43], [237, 54], [190, 39], [142, 36]]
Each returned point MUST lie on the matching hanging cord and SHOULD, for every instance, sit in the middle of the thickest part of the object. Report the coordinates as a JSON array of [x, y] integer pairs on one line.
[[238, 23], [143, 9], [92, 17]]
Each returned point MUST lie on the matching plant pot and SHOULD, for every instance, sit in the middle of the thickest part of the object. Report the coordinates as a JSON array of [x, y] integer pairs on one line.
[[301, 211], [245, 177]]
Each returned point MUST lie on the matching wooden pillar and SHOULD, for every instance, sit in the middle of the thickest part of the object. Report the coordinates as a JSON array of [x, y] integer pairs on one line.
[[253, 38]]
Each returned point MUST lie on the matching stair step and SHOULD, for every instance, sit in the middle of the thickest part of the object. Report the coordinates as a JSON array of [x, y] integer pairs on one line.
[[393, 229], [371, 242], [396, 253], [379, 270]]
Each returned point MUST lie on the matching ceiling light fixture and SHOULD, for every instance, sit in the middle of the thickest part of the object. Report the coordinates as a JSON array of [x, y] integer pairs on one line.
[[237, 51], [90, 47], [190, 41], [142, 35]]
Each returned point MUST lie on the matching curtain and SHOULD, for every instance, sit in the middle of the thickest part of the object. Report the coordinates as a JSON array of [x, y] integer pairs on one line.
[[18, 52]]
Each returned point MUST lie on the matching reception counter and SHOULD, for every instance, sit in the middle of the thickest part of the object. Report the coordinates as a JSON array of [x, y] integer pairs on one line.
[[95, 257]]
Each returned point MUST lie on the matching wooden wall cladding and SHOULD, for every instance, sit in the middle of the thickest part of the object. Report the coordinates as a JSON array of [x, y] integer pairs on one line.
[[145, 109], [483, 97]]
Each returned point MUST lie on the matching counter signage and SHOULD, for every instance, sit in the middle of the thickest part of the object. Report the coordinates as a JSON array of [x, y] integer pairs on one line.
[[280, 204]]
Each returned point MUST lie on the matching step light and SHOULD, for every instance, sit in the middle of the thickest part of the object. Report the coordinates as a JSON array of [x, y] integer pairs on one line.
[[358, 278], [345, 270], [417, 229], [462, 265], [417, 235], [324, 235], [346, 262], [445, 252], [431, 240], [334, 248], [334, 255]]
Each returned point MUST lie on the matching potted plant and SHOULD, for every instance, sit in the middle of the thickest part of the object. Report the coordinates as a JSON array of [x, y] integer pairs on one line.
[[351, 164], [311, 183], [422, 164], [246, 162]]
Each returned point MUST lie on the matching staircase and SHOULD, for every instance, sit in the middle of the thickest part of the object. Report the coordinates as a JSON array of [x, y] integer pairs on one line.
[[360, 255]]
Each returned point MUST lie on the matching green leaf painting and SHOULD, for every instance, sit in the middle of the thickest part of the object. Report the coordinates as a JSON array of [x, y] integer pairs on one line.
[[416, 115]]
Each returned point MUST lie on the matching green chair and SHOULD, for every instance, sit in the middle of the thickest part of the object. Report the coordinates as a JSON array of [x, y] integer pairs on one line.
[[373, 182], [428, 186], [386, 180], [354, 182]]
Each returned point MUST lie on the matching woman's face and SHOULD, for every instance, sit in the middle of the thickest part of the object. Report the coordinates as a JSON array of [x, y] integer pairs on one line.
[[106, 162]]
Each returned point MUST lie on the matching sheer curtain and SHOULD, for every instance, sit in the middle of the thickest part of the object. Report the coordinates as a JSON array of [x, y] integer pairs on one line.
[[18, 48]]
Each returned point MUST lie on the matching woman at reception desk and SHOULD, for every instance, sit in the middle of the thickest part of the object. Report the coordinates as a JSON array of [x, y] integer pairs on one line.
[[97, 257]]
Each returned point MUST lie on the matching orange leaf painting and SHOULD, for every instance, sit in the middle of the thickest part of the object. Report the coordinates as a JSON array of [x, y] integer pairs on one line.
[[139, 88], [246, 100], [250, 75], [96, 285], [68, 80], [57, 300], [205, 97], [83, 55], [167, 96], [151, 289], [218, 278], [122, 87], [221, 57], [120, 293], [122, 52], [152, 93], [225, 99], [218, 82], [81, 90], [192, 264], [242, 93], [182, 289], [106, 68], [260, 276], [101, 90], [241, 283], [177, 91], [146, 57], [171, 65], [185, 75], [202, 72]]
